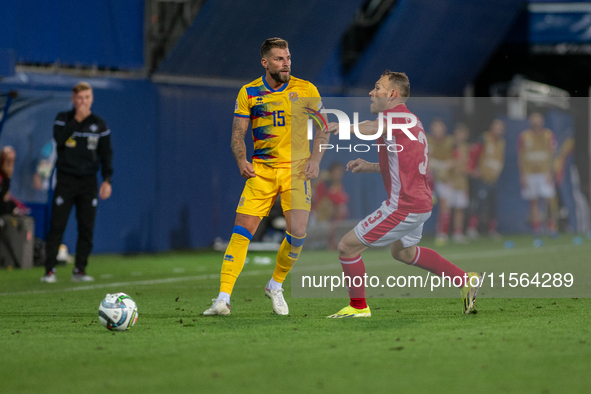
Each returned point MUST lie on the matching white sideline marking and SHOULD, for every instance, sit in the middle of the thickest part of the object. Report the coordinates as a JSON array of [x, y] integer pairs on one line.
[[453, 257], [137, 283]]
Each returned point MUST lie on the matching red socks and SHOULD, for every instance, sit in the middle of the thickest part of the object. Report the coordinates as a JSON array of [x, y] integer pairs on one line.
[[492, 226], [355, 269], [473, 222], [426, 258], [443, 222], [430, 260]]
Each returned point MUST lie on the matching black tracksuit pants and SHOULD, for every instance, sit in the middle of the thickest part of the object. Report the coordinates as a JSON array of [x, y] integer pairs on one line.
[[79, 191]]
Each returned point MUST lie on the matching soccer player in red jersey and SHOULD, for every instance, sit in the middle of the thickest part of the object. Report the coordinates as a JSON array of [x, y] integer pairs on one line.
[[398, 222]]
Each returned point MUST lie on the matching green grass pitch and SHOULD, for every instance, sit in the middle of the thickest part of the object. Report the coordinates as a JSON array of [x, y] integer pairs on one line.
[[51, 341]]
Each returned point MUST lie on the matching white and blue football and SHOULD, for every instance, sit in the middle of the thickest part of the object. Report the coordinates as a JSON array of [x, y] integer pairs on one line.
[[118, 312]]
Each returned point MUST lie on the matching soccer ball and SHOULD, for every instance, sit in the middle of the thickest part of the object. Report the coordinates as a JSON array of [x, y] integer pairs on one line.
[[118, 312]]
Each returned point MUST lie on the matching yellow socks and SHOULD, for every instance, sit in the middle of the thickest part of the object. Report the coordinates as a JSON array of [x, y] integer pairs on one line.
[[287, 256], [236, 255], [234, 258]]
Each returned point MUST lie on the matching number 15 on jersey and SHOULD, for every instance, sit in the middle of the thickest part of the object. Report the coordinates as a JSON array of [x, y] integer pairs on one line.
[[278, 118]]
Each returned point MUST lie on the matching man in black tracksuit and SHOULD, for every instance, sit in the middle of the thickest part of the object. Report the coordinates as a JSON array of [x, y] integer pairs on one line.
[[83, 143]]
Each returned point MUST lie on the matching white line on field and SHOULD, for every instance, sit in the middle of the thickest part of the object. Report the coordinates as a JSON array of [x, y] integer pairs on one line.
[[117, 284], [138, 283], [453, 257]]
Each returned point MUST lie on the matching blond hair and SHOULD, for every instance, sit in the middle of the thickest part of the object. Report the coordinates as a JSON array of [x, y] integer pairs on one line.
[[80, 86]]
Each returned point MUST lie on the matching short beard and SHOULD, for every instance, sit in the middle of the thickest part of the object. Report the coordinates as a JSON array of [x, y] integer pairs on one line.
[[279, 78], [378, 106]]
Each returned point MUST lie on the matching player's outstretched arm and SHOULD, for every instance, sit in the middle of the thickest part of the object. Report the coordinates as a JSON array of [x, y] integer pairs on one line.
[[367, 127], [239, 129], [360, 165]]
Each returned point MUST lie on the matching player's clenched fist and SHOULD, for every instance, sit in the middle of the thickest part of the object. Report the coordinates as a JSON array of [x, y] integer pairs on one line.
[[246, 170], [359, 165]]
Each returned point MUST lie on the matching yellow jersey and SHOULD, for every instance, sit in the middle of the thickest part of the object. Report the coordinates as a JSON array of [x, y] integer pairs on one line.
[[279, 119], [492, 158], [440, 157], [536, 151], [459, 169]]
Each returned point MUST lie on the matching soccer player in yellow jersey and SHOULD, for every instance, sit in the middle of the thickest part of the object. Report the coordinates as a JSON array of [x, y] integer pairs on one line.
[[458, 199], [440, 163], [487, 160], [536, 149], [281, 164]]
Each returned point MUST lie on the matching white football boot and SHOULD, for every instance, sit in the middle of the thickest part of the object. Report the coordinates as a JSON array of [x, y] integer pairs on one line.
[[219, 307], [279, 305]]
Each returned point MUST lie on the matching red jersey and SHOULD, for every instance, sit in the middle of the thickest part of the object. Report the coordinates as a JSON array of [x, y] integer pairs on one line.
[[405, 172]]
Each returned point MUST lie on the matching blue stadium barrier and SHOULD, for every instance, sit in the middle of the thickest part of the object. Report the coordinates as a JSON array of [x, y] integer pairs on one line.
[[198, 183]]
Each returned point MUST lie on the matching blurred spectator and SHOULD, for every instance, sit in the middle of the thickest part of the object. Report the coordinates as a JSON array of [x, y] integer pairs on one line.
[[330, 199], [41, 178], [458, 198], [487, 159], [440, 162], [536, 154], [8, 204]]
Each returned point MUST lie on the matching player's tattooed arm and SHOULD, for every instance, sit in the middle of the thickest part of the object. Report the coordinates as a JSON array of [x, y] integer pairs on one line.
[[239, 129], [375, 167], [320, 138]]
